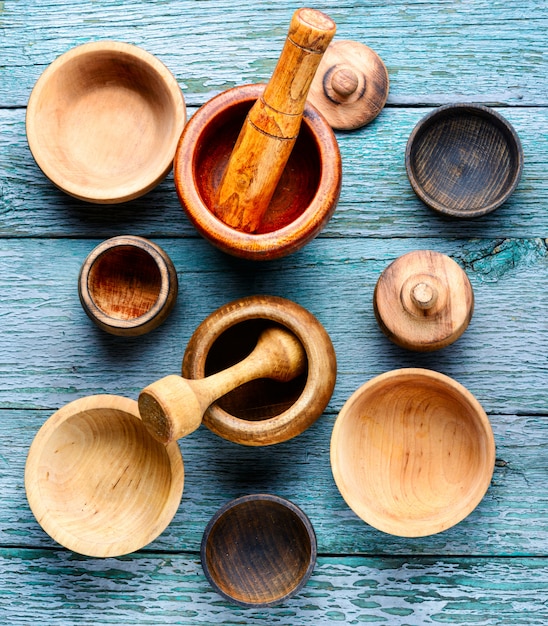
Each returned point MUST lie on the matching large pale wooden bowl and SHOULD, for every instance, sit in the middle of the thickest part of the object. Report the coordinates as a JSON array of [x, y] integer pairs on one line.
[[306, 195], [412, 452], [258, 550], [103, 121], [97, 482]]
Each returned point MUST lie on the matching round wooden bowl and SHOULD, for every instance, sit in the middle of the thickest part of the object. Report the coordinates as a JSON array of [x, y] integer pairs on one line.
[[103, 121], [305, 197], [128, 285], [464, 160], [97, 482], [262, 412], [412, 452], [258, 550]]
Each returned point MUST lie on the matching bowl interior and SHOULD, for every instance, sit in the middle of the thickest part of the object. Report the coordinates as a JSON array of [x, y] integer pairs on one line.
[[258, 551], [411, 454], [258, 399], [125, 282], [105, 125], [298, 183], [101, 483], [464, 160]]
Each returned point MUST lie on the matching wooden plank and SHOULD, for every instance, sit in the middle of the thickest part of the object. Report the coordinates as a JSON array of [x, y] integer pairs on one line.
[[58, 588], [436, 52], [376, 198], [511, 520], [53, 354]]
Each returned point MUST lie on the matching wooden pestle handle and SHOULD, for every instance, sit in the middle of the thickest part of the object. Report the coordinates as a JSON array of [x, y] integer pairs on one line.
[[272, 125], [173, 407]]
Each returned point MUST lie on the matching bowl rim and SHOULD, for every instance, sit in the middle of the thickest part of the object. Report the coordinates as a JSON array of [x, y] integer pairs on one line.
[[257, 246], [401, 527], [260, 497], [487, 113], [50, 524], [166, 297], [127, 191]]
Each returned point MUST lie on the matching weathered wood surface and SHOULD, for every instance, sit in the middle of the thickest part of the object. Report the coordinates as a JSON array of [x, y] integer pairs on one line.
[[170, 589], [435, 52], [492, 568], [376, 198]]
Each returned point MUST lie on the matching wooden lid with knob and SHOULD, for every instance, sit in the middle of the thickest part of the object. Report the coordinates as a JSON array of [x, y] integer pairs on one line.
[[423, 301], [350, 86]]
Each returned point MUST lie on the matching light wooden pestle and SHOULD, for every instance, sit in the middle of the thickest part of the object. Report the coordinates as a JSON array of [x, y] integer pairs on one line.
[[173, 407], [272, 125]]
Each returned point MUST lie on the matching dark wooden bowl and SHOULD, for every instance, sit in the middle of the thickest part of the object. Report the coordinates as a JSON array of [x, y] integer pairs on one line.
[[464, 160], [262, 412], [305, 197], [258, 550], [127, 285]]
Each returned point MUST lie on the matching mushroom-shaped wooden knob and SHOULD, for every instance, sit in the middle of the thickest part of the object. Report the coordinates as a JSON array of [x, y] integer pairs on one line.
[[173, 407], [351, 85], [423, 301], [272, 125]]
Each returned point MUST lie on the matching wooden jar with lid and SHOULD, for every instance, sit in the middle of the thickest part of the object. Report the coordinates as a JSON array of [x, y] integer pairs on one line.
[[423, 301]]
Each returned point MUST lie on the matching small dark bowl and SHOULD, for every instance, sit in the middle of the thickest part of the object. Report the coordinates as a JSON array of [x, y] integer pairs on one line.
[[464, 160], [258, 550]]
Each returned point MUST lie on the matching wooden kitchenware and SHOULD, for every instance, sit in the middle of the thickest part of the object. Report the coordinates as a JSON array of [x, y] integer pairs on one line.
[[272, 125], [423, 301], [258, 550], [464, 160], [262, 412], [128, 285], [351, 85], [97, 482], [412, 452], [173, 407], [103, 121]]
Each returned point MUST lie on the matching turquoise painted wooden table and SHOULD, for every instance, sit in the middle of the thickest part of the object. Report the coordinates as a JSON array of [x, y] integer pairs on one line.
[[490, 569]]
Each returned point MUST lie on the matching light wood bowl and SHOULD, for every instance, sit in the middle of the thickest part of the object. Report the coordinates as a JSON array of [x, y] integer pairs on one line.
[[306, 195], [258, 550], [103, 121], [128, 285], [262, 412], [412, 452], [97, 482], [464, 160]]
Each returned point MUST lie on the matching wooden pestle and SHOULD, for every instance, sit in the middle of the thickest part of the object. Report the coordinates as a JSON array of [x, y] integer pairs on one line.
[[173, 407], [272, 125]]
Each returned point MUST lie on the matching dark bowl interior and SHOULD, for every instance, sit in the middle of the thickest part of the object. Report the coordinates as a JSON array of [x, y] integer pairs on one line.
[[258, 399], [258, 550], [298, 183], [464, 160]]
